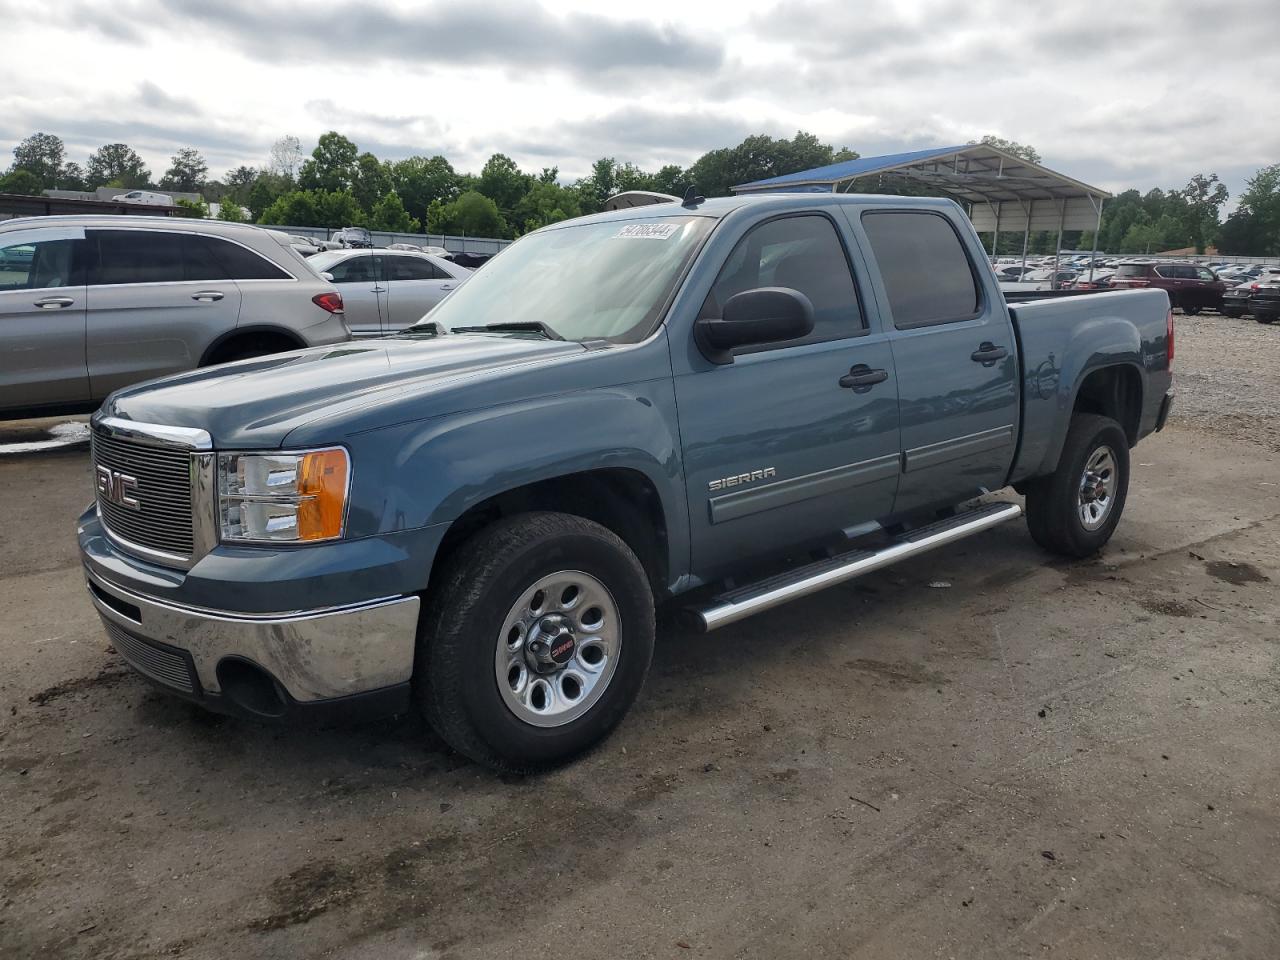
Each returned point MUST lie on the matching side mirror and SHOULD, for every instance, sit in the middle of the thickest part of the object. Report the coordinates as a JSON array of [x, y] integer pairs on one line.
[[326, 275], [763, 315]]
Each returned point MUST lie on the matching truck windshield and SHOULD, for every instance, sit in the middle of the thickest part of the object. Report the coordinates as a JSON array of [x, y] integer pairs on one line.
[[589, 281]]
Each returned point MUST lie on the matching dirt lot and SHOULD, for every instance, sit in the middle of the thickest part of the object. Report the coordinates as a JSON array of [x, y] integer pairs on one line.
[[1040, 759]]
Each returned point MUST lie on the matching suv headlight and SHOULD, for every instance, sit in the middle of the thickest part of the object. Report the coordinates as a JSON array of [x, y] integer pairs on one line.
[[283, 497]]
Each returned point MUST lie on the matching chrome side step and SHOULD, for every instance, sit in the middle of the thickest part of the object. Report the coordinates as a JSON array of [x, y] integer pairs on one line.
[[741, 603]]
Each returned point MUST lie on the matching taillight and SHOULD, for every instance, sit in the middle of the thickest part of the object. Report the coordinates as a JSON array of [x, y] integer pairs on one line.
[[1253, 286], [331, 301], [1168, 338]]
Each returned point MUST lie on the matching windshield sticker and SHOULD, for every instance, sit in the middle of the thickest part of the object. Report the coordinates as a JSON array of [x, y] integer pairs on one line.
[[648, 231]]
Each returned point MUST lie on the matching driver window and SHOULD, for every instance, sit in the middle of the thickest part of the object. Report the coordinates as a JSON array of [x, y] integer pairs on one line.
[[805, 254]]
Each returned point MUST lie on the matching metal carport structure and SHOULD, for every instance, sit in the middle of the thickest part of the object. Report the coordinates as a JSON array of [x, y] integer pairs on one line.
[[999, 190]]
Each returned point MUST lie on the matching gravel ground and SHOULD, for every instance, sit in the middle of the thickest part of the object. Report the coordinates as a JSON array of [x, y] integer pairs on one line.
[[1227, 378]]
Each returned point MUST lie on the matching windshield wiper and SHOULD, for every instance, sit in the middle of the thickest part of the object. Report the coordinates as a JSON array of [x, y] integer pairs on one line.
[[513, 326]]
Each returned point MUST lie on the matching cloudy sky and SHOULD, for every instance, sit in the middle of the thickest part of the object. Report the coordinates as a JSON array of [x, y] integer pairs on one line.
[[1136, 93]]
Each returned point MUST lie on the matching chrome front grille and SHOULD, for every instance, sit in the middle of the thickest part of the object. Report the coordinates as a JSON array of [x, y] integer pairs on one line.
[[159, 663], [160, 482]]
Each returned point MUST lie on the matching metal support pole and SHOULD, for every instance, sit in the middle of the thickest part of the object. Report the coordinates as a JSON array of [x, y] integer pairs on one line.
[[1026, 235], [1096, 230], [995, 234], [1057, 246]]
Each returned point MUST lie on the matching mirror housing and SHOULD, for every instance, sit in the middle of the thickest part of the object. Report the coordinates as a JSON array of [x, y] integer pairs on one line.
[[763, 315], [326, 275]]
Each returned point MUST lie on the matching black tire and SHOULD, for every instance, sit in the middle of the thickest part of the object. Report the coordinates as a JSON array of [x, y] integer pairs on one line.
[[1265, 318], [454, 680], [1228, 312], [1190, 311], [1053, 502]]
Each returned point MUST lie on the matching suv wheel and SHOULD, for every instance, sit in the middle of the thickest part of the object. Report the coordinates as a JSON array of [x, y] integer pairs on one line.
[[1190, 311], [536, 642], [1075, 511]]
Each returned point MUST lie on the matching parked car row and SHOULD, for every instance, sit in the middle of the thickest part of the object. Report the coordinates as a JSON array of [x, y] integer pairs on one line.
[[387, 290]]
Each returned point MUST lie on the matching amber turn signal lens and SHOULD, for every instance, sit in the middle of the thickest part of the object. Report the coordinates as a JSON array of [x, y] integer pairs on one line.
[[322, 484]]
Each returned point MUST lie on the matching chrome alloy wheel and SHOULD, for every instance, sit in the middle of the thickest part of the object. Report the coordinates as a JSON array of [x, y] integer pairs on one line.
[[558, 648], [1097, 488]]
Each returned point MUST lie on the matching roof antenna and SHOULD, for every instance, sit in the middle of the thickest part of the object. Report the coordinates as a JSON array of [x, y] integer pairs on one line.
[[692, 198]]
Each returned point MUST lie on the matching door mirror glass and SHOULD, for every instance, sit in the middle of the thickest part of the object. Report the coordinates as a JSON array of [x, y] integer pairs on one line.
[[763, 315]]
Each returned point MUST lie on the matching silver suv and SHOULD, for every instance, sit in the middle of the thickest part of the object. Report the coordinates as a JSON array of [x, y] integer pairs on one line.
[[89, 304]]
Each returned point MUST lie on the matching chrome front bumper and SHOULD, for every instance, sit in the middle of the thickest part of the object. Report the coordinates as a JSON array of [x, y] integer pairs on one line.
[[314, 655]]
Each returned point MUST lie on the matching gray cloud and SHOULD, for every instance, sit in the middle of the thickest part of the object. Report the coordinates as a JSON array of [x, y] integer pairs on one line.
[[515, 36]]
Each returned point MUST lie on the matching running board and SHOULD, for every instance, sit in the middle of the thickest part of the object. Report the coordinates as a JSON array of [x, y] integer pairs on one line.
[[741, 603]]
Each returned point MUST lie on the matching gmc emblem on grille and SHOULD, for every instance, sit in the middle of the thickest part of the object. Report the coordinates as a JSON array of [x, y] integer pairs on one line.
[[116, 487]]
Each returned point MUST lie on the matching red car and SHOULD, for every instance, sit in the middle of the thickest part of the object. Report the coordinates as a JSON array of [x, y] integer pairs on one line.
[[1189, 285]]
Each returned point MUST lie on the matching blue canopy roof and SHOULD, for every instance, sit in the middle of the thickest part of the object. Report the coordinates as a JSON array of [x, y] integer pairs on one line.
[[999, 189], [848, 169]]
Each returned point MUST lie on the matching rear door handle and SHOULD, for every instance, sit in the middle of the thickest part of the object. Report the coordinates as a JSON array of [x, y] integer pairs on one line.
[[446, 286], [862, 378], [379, 289], [54, 303], [207, 296], [988, 353]]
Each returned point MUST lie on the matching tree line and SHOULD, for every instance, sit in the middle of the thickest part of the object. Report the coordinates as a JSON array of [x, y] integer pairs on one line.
[[339, 185]]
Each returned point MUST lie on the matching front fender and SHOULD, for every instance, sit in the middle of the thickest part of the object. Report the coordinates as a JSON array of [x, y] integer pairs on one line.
[[432, 471]]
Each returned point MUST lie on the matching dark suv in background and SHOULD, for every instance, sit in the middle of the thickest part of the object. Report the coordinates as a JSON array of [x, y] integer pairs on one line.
[[1189, 285]]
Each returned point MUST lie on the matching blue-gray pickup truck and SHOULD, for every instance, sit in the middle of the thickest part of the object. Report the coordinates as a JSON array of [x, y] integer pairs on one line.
[[720, 405]]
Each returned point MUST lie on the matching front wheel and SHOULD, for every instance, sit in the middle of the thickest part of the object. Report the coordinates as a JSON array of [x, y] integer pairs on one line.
[[536, 642], [1190, 311], [1075, 511]]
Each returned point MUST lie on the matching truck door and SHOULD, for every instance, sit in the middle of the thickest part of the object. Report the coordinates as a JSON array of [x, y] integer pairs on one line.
[[957, 362], [797, 440]]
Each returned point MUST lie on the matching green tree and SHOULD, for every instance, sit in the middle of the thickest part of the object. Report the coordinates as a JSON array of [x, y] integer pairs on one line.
[[332, 165], [1204, 197], [230, 211], [41, 155], [420, 180], [759, 157], [240, 182], [187, 172], [370, 182], [503, 183], [195, 209], [266, 189], [472, 214], [389, 214], [297, 208], [72, 177], [1025, 151], [338, 208], [117, 164], [1261, 201], [1242, 235], [21, 181], [548, 203]]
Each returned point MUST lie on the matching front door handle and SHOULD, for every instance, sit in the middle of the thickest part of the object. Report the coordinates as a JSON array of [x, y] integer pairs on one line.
[[54, 303], [862, 378], [988, 353], [446, 286], [379, 289], [207, 296]]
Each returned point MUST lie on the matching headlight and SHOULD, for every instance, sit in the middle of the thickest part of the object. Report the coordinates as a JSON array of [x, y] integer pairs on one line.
[[282, 497]]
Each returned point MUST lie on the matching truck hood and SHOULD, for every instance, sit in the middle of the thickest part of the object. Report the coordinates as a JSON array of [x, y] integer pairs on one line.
[[255, 404]]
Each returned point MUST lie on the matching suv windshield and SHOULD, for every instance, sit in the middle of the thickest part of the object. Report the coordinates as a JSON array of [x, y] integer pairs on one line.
[[607, 281]]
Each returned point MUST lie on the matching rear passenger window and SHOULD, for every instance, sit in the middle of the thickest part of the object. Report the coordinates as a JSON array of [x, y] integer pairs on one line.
[[136, 256], [240, 263], [926, 272], [412, 268], [805, 254]]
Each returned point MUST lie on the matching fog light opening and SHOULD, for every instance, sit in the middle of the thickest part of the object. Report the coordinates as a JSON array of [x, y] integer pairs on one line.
[[250, 688]]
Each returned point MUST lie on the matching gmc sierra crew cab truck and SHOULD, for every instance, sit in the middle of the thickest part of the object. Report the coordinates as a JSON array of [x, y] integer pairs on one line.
[[725, 405]]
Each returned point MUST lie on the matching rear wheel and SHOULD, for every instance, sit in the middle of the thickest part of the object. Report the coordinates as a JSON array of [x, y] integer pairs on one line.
[[1264, 318], [536, 642], [1075, 511], [1190, 311]]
